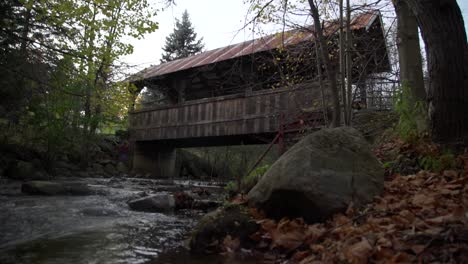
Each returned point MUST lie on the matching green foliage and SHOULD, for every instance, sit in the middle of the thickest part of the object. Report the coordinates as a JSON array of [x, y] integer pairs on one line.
[[59, 62], [446, 160], [247, 181], [182, 42], [413, 115], [231, 188]]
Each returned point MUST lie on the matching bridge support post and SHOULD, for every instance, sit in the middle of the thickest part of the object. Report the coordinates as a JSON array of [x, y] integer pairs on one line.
[[155, 159]]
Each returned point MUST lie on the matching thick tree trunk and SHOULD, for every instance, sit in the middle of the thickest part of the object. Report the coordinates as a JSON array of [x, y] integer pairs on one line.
[[443, 32], [409, 51], [330, 70], [409, 55]]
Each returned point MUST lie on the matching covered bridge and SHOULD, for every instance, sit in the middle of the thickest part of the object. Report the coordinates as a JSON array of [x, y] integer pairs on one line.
[[244, 93]]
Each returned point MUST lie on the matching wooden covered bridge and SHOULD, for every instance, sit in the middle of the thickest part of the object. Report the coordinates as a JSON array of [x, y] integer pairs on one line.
[[248, 93]]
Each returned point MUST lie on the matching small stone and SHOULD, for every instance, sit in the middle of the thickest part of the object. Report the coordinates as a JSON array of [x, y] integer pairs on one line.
[[153, 203]]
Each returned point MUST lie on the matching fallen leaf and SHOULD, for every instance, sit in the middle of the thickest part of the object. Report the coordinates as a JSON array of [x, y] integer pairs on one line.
[[300, 255], [418, 249], [402, 257], [287, 240], [313, 232], [359, 252], [422, 199], [231, 244], [458, 214]]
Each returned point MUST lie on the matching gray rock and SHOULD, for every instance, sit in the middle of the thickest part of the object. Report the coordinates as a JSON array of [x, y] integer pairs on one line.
[[153, 203], [319, 176], [22, 170], [122, 168], [98, 168], [110, 169], [40, 175], [106, 161], [55, 188], [205, 204], [62, 164], [62, 172], [83, 174], [232, 220]]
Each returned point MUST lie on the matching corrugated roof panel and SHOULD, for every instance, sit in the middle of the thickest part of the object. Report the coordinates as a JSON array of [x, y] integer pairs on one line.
[[270, 42]]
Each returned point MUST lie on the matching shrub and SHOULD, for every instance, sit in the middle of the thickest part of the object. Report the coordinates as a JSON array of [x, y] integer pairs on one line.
[[413, 115]]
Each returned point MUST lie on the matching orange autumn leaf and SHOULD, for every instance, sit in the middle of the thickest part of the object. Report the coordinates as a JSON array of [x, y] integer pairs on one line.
[[231, 244], [358, 252]]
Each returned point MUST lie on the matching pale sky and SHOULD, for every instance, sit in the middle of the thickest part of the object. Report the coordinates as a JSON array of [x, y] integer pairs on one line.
[[217, 21]]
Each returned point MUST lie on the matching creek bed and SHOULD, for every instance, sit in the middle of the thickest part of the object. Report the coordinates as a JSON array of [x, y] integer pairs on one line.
[[96, 228]]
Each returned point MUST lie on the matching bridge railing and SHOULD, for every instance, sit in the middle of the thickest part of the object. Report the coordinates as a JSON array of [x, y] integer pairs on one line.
[[240, 114]]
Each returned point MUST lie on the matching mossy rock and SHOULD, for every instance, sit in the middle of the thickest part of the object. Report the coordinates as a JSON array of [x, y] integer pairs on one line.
[[233, 220]]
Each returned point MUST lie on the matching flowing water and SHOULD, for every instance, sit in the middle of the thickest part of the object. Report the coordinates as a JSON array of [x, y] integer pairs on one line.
[[94, 229]]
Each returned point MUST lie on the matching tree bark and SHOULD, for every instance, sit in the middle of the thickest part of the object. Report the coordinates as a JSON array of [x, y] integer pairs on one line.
[[342, 63], [330, 70], [444, 35], [409, 51], [349, 66]]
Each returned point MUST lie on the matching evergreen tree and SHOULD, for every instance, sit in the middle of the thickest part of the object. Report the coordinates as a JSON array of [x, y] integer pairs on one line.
[[182, 42]]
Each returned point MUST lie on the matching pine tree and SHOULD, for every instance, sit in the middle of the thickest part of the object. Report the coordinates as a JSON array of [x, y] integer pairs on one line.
[[182, 42]]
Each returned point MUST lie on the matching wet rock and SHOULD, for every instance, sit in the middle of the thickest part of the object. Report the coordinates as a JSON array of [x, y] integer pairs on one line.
[[122, 168], [319, 176], [191, 165], [65, 165], [24, 170], [105, 161], [205, 204], [201, 192], [110, 169], [183, 200], [55, 188], [98, 168], [83, 174], [40, 175], [210, 232], [153, 203]]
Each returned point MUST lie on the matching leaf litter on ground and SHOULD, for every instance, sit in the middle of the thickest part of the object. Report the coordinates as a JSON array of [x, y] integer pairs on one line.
[[419, 218]]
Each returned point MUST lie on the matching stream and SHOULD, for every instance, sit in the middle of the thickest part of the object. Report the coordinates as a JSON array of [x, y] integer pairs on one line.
[[97, 228]]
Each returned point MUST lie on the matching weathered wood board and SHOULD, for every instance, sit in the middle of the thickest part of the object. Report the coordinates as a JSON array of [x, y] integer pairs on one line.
[[256, 113]]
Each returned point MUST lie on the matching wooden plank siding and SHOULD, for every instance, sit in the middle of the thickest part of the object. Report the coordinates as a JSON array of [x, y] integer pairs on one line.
[[256, 113]]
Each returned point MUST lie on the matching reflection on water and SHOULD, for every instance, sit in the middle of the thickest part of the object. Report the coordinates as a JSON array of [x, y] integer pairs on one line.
[[92, 229]]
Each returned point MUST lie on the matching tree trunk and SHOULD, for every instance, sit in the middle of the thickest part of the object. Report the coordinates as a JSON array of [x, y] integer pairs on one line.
[[342, 64], [409, 51], [349, 66], [443, 32], [331, 72]]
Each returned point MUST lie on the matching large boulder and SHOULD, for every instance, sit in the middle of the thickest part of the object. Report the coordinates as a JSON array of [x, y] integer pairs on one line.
[[153, 203], [319, 176], [232, 220], [56, 188], [25, 170]]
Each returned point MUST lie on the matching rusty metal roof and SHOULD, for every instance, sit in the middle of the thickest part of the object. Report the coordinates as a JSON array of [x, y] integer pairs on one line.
[[270, 42]]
